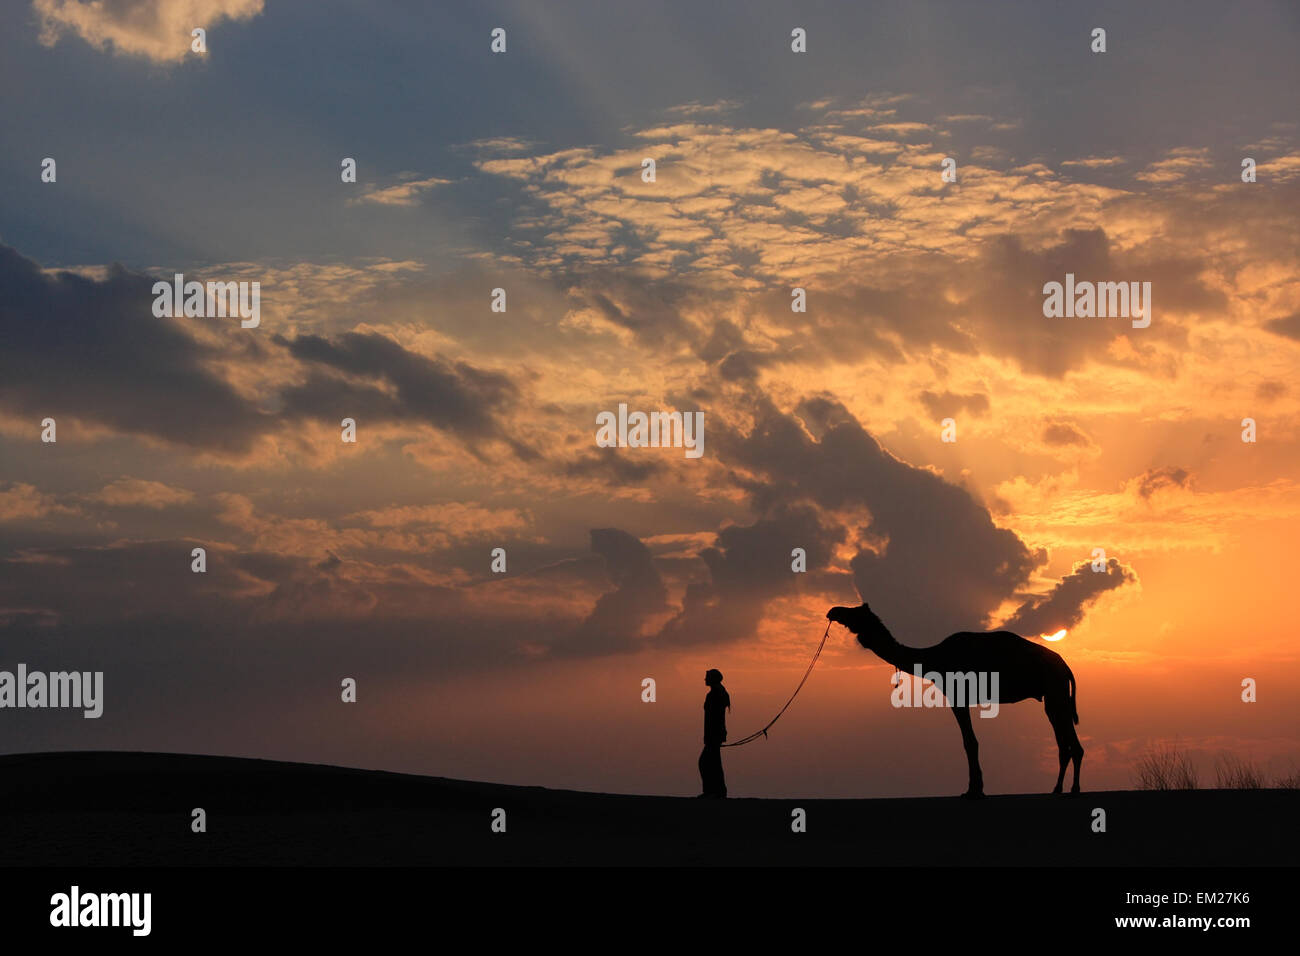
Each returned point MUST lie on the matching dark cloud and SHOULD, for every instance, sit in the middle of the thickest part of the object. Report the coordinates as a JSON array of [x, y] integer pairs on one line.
[[735, 359], [1064, 605], [615, 622], [1064, 434], [132, 608], [1288, 326], [942, 564], [1006, 308], [863, 320], [725, 337], [454, 396], [651, 310], [93, 350], [749, 566], [329, 563], [948, 404], [990, 305], [1270, 391], [743, 365], [248, 647], [1153, 479], [614, 467]]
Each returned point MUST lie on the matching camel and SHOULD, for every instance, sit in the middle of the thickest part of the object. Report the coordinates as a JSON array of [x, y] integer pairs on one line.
[[1025, 670]]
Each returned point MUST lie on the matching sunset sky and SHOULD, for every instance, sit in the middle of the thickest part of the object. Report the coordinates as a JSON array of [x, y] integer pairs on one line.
[[476, 429]]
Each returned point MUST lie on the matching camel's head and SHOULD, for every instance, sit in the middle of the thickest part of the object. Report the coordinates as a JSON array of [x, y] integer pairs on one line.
[[854, 618], [860, 620]]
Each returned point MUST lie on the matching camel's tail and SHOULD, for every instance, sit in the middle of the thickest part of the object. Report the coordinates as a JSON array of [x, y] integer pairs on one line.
[[1074, 691]]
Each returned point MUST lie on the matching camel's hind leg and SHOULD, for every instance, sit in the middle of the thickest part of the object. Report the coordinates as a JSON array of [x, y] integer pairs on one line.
[[976, 787], [1068, 747]]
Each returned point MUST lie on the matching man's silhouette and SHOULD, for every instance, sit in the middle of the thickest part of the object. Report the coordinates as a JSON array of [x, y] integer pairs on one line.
[[716, 704]]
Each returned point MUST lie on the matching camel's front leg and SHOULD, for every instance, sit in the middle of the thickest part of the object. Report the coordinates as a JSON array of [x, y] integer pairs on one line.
[[972, 746]]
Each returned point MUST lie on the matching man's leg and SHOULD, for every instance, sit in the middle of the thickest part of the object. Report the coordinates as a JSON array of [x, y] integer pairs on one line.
[[714, 783]]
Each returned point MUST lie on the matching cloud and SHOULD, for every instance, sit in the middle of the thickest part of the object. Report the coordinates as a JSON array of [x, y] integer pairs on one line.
[[93, 351], [737, 212], [1280, 169], [1067, 516], [158, 30], [23, 502], [732, 204], [133, 607], [902, 129], [613, 467], [498, 144], [90, 350], [401, 529], [387, 382], [1179, 164], [1155, 479], [703, 109], [1288, 326], [138, 492], [949, 404], [930, 559], [1095, 162], [1010, 279], [615, 622], [1065, 434], [1270, 391], [452, 520], [303, 611], [402, 194], [747, 569], [1065, 604]]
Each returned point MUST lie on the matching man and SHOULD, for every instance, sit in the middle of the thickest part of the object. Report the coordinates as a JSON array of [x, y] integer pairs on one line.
[[716, 705]]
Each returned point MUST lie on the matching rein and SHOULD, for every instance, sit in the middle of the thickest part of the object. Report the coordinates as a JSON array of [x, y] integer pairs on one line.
[[811, 665]]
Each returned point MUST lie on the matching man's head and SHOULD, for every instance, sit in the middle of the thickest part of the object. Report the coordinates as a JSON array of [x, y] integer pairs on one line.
[[713, 677]]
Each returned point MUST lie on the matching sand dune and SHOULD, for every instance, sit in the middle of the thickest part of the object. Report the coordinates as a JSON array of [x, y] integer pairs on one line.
[[113, 809]]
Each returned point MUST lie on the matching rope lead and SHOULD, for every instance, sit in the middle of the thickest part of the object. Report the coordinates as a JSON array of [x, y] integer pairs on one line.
[[811, 664]]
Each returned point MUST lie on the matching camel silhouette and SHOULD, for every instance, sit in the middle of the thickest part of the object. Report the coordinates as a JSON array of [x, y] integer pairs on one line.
[[1024, 670]]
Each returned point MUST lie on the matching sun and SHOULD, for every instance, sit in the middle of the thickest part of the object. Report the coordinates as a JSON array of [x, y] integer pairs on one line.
[[1059, 635]]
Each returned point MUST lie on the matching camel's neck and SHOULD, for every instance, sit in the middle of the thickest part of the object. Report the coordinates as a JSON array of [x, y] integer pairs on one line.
[[903, 658], [876, 638]]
